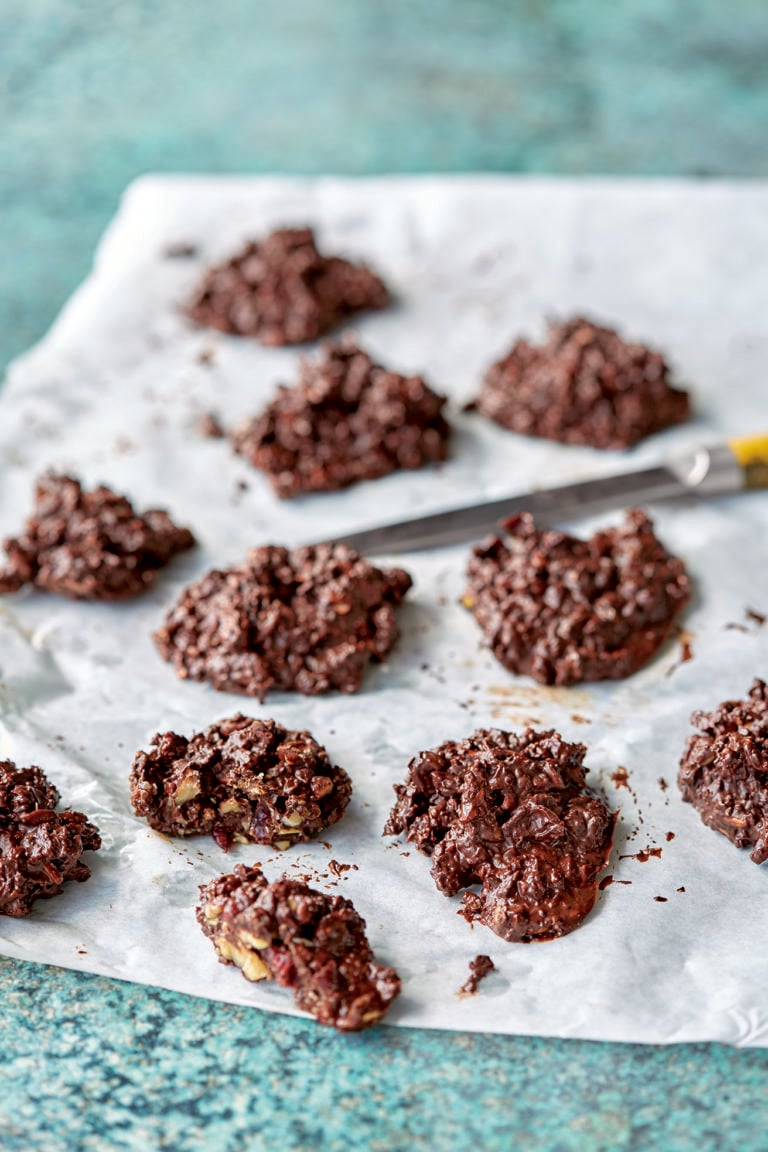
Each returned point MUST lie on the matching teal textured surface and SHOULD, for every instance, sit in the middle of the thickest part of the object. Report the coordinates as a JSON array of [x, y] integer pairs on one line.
[[90, 96]]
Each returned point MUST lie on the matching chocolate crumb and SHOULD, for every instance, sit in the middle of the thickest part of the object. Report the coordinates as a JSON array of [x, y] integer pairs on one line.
[[605, 883], [660, 899], [337, 869], [180, 250], [686, 652], [663, 784], [643, 856], [756, 617], [479, 968], [621, 778], [670, 836], [681, 889], [206, 356], [209, 427]]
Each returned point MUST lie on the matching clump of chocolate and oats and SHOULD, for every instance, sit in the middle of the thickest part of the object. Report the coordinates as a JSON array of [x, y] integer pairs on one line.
[[305, 940], [508, 812], [565, 610], [240, 781], [282, 290], [308, 620], [347, 419], [724, 770], [583, 385], [479, 968], [90, 545], [40, 848]]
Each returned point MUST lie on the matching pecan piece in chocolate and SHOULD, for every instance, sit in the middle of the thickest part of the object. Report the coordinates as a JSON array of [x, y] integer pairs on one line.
[[508, 812], [584, 385], [240, 781], [40, 848], [309, 620], [724, 770], [347, 419], [90, 545], [303, 939], [565, 610], [283, 291]]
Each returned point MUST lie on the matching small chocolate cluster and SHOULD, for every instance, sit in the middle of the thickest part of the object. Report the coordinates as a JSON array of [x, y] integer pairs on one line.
[[308, 620], [40, 848], [508, 812], [347, 419], [583, 385], [565, 610], [240, 781], [724, 770], [90, 545], [282, 290], [305, 940]]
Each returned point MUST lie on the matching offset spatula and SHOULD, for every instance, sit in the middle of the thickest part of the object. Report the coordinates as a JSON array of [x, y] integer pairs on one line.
[[716, 470]]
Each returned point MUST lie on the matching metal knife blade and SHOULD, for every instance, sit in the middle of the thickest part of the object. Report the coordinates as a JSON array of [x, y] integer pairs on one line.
[[707, 471]]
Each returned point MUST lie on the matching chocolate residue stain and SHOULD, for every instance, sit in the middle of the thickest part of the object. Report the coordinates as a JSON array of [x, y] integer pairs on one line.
[[579, 719], [206, 356], [660, 899], [733, 627], [686, 651], [521, 696], [605, 883], [479, 968], [326, 844], [670, 836], [756, 617], [681, 889], [621, 778], [626, 882], [405, 854], [643, 855]]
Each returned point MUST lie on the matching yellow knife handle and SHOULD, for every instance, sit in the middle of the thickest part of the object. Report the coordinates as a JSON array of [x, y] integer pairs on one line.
[[752, 454]]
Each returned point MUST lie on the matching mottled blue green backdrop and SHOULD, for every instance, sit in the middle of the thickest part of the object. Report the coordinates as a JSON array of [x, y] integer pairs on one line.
[[94, 93]]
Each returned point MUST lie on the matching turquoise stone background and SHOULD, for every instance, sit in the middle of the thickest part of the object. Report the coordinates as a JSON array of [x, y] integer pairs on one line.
[[94, 93]]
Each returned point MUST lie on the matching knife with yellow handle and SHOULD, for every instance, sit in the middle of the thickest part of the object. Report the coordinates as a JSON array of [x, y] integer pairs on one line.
[[714, 470]]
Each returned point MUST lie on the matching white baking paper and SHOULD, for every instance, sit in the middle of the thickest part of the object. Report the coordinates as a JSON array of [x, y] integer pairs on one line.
[[114, 392]]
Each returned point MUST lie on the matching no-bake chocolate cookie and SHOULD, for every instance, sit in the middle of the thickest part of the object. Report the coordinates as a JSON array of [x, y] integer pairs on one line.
[[283, 291], [90, 545], [508, 812], [40, 848], [303, 939], [565, 610], [240, 781], [308, 620], [724, 770], [583, 385], [346, 420]]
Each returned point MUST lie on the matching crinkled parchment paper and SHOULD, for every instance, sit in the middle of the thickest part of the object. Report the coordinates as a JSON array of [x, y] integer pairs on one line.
[[114, 393]]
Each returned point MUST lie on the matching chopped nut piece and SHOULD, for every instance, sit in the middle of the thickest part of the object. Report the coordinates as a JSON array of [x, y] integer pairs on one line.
[[234, 780], [305, 940]]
